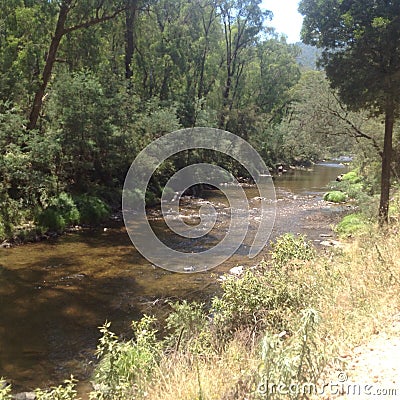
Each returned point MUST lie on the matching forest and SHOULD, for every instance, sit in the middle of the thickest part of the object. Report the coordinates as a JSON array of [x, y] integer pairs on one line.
[[85, 85]]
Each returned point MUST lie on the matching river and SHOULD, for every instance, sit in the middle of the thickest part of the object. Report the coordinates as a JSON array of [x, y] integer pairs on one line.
[[54, 294]]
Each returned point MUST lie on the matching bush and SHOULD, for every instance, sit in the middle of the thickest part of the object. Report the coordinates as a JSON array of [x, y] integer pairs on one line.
[[351, 224], [60, 212], [187, 324], [51, 219], [125, 366], [290, 248], [92, 210], [258, 301], [298, 359], [61, 392], [352, 177], [335, 196], [2, 230]]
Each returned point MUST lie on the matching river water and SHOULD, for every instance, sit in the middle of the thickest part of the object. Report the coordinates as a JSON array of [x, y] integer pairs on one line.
[[54, 294]]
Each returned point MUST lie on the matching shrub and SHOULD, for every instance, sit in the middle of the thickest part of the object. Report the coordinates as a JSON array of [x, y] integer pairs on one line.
[[187, 324], [290, 248], [61, 392], [125, 366], [51, 219], [2, 230], [335, 196], [298, 359], [257, 301], [351, 224], [60, 212], [352, 177], [92, 209]]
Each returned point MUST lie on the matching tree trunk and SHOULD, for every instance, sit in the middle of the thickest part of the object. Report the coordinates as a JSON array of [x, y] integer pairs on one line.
[[59, 32], [130, 15], [50, 60], [386, 163]]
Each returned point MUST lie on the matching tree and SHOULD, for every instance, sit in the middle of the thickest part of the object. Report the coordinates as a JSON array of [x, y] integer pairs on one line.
[[89, 14], [130, 16], [361, 56], [242, 23]]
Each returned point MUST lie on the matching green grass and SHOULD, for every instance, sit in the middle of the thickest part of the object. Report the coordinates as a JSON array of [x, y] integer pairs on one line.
[[352, 224], [335, 196]]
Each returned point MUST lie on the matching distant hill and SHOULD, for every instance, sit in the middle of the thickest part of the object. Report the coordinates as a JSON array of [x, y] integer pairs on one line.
[[309, 56]]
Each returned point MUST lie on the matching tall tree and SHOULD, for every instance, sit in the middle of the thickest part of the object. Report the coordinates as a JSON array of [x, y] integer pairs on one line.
[[242, 23], [130, 16], [87, 14], [361, 56]]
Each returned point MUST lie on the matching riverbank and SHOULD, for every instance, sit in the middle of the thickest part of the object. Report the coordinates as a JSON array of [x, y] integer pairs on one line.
[[288, 325], [62, 289], [258, 346]]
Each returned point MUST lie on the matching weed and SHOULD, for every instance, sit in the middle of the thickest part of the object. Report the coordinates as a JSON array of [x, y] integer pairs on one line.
[[62, 392], [188, 325], [289, 363]]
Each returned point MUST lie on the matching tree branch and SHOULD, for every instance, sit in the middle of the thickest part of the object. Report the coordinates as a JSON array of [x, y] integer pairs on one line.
[[94, 21]]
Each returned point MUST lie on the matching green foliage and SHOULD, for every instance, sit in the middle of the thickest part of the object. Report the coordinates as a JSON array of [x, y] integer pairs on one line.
[[316, 125], [265, 299], [358, 188], [335, 196], [289, 248], [5, 390], [51, 219], [352, 177], [352, 224], [357, 39], [62, 392], [26, 169], [298, 359], [2, 230], [92, 210], [259, 301], [60, 212], [125, 366], [187, 323]]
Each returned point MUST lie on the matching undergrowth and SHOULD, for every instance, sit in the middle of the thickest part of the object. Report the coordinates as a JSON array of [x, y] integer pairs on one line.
[[285, 323]]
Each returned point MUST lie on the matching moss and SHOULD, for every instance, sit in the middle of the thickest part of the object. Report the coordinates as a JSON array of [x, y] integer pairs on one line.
[[335, 196]]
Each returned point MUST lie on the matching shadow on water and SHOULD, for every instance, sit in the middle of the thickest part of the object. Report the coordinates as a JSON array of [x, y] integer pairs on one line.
[[54, 294], [50, 315]]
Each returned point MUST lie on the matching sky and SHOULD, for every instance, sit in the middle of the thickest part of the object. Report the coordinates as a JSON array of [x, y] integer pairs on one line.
[[286, 18]]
